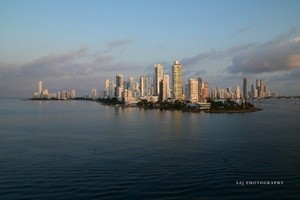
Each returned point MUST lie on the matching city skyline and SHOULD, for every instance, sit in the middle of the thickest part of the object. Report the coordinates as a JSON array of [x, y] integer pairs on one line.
[[81, 44], [131, 91]]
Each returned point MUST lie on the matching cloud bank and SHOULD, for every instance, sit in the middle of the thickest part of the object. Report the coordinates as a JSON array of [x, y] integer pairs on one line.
[[74, 63], [75, 69], [81, 69], [279, 54], [191, 61]]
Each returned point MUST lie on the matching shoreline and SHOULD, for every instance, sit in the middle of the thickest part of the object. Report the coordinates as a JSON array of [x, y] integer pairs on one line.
[[213, 111], [254, 109], [247, 110]]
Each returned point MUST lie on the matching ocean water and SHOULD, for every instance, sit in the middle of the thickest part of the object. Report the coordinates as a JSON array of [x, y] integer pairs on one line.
[[84, 150]]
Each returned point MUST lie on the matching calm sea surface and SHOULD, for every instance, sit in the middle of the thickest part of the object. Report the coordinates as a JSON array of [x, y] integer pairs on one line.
[[84, 150]]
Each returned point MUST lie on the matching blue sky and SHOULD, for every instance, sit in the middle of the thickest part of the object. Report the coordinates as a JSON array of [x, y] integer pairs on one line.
[[78, 44]]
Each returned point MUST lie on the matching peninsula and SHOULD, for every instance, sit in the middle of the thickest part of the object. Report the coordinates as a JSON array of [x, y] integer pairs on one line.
[[211, 106]]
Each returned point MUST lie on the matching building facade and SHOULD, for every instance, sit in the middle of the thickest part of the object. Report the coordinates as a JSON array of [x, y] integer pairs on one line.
[[166, 88], [177, 81], [245, 86], [144, 86], [40, 87], [119, 86], [193, 90], [238, 92], [158, 76]]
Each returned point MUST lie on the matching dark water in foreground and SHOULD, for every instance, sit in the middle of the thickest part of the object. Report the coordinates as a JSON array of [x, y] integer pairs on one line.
[[83, 150]]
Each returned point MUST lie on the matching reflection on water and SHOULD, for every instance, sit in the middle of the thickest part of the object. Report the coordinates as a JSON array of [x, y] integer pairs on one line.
[[81, 149], [117, 110]]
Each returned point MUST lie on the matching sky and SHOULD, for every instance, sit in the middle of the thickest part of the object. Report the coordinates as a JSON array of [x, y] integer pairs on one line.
[[78, 44]]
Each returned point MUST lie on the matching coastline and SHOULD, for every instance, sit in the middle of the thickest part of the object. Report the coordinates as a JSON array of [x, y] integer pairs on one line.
[[157, 106], [234, 111], [231, 110], [200, 110]]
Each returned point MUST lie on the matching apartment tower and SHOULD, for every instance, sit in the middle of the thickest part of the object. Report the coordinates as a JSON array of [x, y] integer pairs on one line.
[[158, 76], [177, 81]]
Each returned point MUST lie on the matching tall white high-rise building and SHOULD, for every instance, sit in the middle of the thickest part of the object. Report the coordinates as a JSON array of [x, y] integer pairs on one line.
[[72, 94], [131, 84], [111, 89], [158, 76], [193, 90], [177, 81], [238, 92], [200, 89], [144, 86], [106, 88], [58, 95], [93, 93], [205, 92], [165, 87], [40, 87], [214, 94]]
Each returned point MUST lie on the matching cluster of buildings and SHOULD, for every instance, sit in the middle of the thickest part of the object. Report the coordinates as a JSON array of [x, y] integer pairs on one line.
[[43, 93], [164, 88], [161, 87], [258, 91], [159, 90]]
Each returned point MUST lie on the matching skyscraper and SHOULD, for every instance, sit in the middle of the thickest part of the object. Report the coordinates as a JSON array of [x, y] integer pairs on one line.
[[261, 88], [245, 92], [93, 93], [205, 92], [119, 86], [238, 92], [200, 89], [193, 91], [119, 81], [165, 87], [111, 89], [158, 76], [72, 94], [257, 83], [177, 81], [131, 84], [106, 88], [40, 87], [144, 86]]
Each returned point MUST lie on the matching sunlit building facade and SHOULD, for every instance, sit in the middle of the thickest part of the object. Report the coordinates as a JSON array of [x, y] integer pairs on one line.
[[166, 88], [144, 86], [193, 90], [40, 87], [177, 81], [158, 76]]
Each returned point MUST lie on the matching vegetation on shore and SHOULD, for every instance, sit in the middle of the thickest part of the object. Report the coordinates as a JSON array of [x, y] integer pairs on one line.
[[164, 105], [228, 106], [111, 102]]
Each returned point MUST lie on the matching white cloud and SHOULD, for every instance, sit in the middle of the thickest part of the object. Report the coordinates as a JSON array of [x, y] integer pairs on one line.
[[280, 54]]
